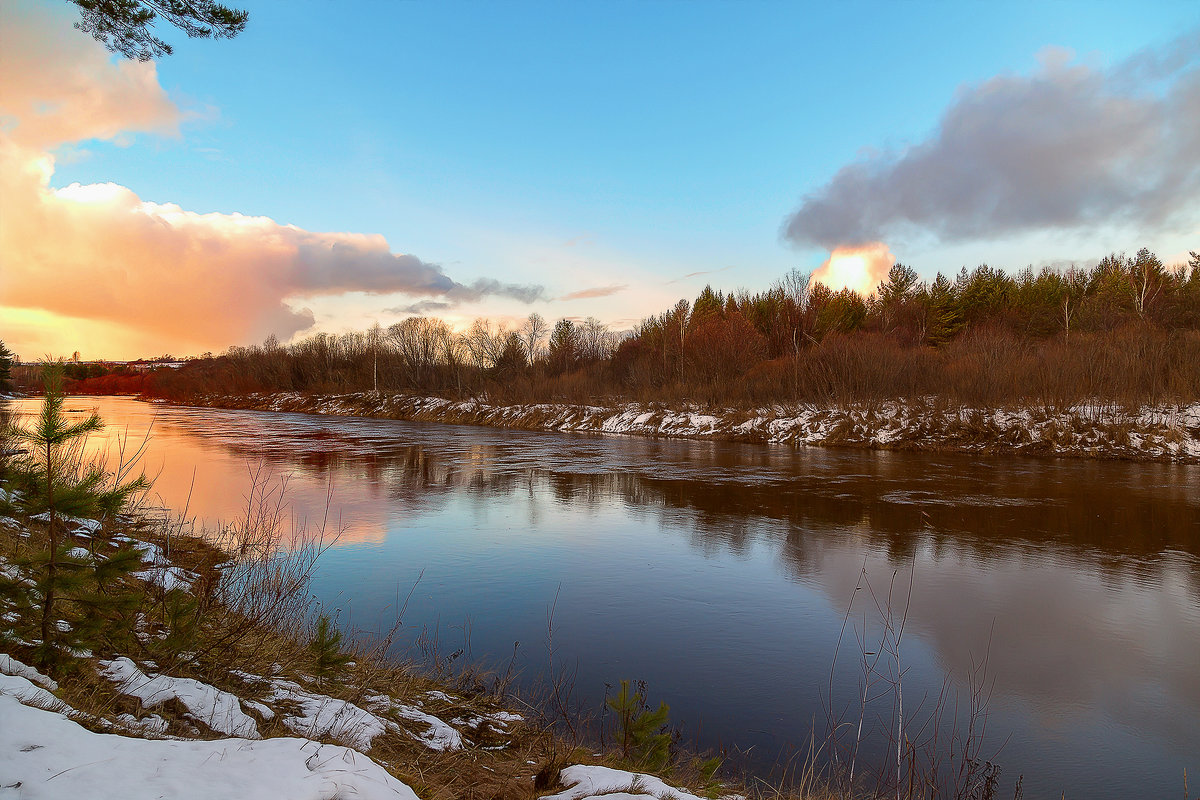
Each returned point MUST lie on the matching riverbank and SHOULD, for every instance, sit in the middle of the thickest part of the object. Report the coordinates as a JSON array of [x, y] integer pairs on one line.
[[208, 678], [1101, 431]]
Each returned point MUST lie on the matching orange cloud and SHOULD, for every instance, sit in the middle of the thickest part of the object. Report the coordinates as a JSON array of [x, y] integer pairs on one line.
[[59, 86], [860, 268], [203, 280], [187, 282], [595, 291]]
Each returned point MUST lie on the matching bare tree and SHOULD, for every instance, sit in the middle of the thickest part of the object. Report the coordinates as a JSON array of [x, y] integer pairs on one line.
[[485, 344], [422, 343], [374, 340], [533, 333], [795, 285], [596, 341], [1145, 280]]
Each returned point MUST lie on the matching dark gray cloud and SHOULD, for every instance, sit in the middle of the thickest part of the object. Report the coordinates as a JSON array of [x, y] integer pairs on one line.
[[328, 263], [456, 294], [1069, 147], [422, 308], [490, 287]]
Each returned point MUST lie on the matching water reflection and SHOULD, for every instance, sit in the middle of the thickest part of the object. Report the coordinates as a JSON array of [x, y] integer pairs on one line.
[[1111, 511], [720, 572]]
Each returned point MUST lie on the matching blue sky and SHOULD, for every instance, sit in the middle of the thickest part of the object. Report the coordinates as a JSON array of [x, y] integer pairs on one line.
[[586, 144]]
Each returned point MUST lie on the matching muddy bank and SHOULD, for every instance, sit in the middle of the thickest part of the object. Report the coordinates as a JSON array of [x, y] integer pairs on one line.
[[1107, 431]]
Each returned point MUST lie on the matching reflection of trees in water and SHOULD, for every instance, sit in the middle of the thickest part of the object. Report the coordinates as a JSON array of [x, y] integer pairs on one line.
[[1113, 530], [1112, 514]]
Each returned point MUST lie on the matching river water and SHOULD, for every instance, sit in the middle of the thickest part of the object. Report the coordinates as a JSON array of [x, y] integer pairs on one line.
[[1066, 592]]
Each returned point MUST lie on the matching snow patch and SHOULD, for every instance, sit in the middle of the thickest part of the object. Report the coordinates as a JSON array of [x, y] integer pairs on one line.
[[10, 666], [168, 578], [152, 724], [438, 735], [321, 716], [264, 710], [217, 709], [24, 691], [614, 784]]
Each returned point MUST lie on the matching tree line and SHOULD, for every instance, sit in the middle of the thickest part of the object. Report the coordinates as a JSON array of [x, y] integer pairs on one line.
[[1125, 329]]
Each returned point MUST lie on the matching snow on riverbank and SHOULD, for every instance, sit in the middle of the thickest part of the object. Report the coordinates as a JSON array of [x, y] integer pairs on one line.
[[219, 710], [586, 782], [45, 750], [1160, 433], [45, 755]]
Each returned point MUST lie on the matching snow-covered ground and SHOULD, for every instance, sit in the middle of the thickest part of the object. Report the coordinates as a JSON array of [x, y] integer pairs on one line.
[[46, 753], [1095, 430], [43, 754]]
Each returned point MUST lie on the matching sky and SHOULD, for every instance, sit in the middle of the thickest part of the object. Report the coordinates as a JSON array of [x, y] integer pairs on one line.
[[337, 165]]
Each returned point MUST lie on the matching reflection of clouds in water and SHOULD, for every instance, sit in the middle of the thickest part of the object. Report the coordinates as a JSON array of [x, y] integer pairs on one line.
[[194, 466], [1065, 641], [220, 496]]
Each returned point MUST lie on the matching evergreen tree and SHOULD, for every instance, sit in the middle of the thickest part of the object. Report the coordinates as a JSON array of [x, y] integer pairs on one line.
[[6, 362], [1109, 297], [512, 360], [893, 299], [840, 312], [125, 26], [983, 294], [942, 319], [708, 304], [900, 285], [59, 483], [564, 346]]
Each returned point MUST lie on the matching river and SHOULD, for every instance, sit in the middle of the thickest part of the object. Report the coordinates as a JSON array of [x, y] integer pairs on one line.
[[1067, 592]]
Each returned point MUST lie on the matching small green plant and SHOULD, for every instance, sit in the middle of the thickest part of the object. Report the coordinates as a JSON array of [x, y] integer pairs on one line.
[[182, 619], [326, 650], [641, 733], [707, 769]]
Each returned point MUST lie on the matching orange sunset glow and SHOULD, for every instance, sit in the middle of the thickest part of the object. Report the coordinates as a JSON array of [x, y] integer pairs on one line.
[[859, 268]]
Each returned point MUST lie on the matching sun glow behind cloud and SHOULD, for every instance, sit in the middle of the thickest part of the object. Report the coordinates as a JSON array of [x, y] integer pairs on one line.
[[860, 268]]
